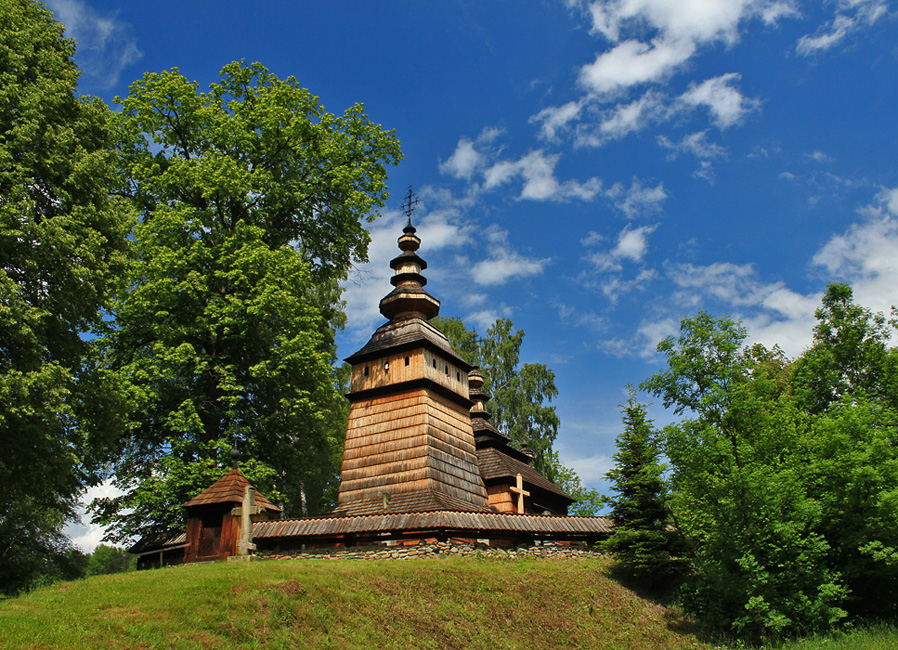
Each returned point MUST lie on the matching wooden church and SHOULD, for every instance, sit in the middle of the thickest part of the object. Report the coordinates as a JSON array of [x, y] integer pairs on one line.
[[421, 459]]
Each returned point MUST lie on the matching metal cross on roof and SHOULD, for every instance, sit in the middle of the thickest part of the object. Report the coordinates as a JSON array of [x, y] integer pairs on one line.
[[411, 200]]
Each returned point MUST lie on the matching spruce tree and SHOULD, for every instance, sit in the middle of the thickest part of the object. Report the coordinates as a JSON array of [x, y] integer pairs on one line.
[[641, 541]]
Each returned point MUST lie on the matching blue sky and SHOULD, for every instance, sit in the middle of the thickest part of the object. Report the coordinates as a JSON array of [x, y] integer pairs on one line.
[[593, 171]]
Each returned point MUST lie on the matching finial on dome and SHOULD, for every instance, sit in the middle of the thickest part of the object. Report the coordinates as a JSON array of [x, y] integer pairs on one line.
[[409, 299], [235, 456], [411, 200]]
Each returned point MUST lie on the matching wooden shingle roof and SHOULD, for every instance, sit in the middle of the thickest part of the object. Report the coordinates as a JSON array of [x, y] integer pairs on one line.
[[229, 489], [496, 465], [472, 522], [408, 333]]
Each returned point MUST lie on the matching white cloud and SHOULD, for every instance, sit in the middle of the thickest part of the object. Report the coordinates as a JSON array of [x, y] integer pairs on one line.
[[84, 534], [592, 238], [644, 341], [466, 159], [726, 104], [866, 255], [650, 41], [630, 248], [851, 16], [637, 200], [106, 46], [624, 119], [696, 144], [772, 313], [590, 469], [482, 320], [615, 286], [631, 63], [537, 171], [705, 171], [556, 118], [818, 156], [679, 25], [504, 264]]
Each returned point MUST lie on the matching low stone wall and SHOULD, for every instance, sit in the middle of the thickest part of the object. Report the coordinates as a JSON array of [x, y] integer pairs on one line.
[[436, 549]]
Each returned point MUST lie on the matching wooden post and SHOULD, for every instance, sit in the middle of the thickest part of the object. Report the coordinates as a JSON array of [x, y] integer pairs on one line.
[[521, 492]]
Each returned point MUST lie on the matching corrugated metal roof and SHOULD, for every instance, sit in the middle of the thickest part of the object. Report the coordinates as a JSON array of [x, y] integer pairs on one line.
[[229, 489], [474, 522], [494, 464]]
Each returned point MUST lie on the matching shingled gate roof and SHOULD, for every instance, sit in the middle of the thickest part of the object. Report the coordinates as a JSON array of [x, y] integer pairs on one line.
[[229, 489]]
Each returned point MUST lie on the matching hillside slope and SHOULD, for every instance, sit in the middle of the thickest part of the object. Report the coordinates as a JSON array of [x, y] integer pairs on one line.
[[442, 603]]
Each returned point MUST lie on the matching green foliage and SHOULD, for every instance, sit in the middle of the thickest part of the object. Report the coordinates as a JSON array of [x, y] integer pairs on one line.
[[33, 550], [251, 199], [61, 248], [520, 393], [850, 355], [642, 541], [109, 559], [786, 474]]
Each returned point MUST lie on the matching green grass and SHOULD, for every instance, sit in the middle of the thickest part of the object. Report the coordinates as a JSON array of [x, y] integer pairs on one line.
[[875, 637], [443, 603]]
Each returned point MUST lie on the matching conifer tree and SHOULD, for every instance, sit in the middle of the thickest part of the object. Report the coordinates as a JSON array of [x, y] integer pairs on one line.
[[641, 541]]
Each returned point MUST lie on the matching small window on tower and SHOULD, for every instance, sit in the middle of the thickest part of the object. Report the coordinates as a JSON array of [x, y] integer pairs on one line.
[[458, 376], [447, 371], [366, 371], [406, 361], [434, 362], [387, 367]]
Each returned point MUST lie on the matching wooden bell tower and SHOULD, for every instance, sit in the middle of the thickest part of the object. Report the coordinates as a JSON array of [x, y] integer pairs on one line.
[[409, 441]]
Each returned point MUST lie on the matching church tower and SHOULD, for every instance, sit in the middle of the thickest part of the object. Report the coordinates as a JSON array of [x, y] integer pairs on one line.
[[409, 441]]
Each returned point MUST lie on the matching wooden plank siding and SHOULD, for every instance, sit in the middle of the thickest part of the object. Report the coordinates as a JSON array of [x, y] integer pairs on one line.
[[387, 370], [499, 498], [230, 532], [408, 442]]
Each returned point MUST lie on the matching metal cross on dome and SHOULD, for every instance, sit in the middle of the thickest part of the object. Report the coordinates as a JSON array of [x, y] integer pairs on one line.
[[411, 200]]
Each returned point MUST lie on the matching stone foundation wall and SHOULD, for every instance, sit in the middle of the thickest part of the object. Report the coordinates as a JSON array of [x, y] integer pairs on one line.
[[427, 550]]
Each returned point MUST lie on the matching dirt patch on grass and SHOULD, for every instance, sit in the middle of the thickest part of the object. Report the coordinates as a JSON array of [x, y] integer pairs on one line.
[[290, 587]]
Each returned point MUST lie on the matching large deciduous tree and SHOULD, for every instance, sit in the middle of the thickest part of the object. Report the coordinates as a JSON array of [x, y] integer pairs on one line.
[[61, 247], [784, 473], [252, 200]]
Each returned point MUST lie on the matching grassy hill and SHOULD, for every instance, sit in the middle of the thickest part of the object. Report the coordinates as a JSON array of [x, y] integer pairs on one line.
[[443, 603]]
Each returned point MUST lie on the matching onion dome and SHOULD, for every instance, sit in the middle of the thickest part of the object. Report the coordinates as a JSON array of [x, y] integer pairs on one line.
[[409, 299]]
